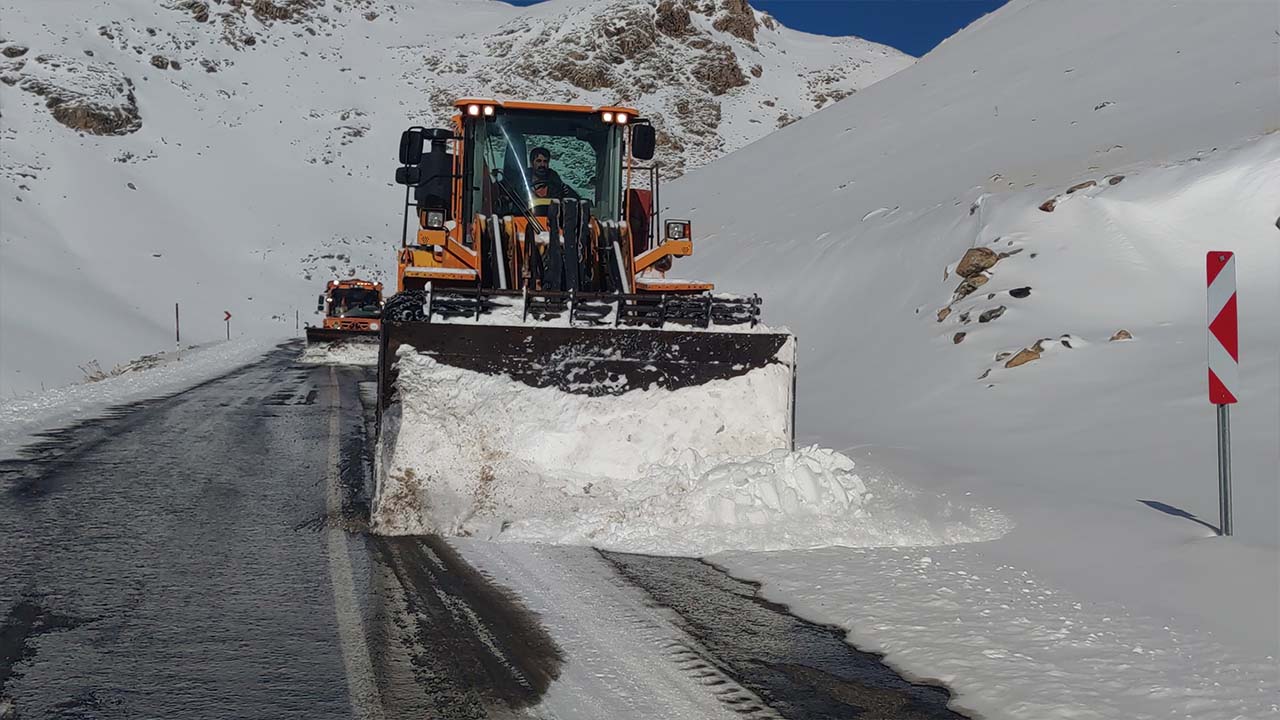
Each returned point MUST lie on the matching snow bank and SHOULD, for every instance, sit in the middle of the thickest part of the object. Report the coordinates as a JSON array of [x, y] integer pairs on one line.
[[685, 471], [809, 498], [21, 418]]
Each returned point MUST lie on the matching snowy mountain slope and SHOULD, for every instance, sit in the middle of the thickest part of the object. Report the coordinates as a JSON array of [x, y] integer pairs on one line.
[[233, 155], [1102, 452]]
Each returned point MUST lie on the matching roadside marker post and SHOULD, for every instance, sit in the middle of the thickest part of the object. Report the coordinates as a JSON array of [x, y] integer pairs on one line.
[[227, 320], [1224, 366]]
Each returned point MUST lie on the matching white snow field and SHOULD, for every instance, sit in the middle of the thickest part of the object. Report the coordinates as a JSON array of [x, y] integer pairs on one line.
[[258, 140], [1110, 597]]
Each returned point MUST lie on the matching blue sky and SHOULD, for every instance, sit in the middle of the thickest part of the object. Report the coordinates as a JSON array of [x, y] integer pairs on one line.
[[912, 26]]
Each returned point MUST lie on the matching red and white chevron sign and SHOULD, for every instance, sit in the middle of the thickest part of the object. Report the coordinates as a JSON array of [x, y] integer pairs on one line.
[[1224, 331]]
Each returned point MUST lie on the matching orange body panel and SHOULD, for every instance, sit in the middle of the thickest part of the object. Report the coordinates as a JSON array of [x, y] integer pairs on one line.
[[670, 248]]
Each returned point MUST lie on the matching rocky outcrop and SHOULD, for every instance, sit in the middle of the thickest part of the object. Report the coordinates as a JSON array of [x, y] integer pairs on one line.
[[672, 20], [737, 18], [677, 58], [718, 70], [85, 96]]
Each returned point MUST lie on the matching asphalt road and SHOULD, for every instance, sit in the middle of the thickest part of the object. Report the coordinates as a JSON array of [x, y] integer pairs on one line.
[[205, 555]]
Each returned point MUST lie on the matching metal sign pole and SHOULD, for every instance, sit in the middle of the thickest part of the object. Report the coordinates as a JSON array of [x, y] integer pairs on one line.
[[1224, 469]]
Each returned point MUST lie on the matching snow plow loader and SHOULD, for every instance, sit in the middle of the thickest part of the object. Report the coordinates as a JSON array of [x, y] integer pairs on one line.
[[352, 311], [533, 247]]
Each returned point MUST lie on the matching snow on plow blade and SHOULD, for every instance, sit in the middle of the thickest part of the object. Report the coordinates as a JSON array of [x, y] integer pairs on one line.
[[588, 361], [600, 358], [316, 336]]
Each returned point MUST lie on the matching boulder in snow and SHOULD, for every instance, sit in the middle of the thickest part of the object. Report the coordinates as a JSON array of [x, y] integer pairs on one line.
[[1023, 357], [989, 315], [976, 260]]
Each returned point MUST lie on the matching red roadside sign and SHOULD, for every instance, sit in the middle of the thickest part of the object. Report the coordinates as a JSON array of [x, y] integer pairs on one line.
[[1224, 329]]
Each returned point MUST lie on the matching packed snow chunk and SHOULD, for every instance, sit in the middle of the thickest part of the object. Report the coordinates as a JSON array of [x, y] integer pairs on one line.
[[340, 353], [691, 471]]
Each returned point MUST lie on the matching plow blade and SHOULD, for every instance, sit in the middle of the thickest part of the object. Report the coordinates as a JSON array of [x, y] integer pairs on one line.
[[316, 336], [584, 360]]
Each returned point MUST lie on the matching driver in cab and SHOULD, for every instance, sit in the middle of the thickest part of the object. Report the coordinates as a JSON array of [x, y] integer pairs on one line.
[[545, 184]]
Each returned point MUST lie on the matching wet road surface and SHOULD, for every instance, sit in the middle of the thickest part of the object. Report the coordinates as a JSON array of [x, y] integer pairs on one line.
[[204, 555]]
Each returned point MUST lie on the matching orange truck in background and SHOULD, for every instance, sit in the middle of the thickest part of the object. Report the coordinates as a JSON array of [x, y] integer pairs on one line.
[[352, 310]]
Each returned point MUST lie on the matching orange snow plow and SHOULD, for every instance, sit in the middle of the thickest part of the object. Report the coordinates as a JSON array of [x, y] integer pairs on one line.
[[533, 247], [352, 311]]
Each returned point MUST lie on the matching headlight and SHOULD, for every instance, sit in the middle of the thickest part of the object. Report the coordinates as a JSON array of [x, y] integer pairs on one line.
[[373, 326], [677, 230], [607, 116], [435, 219], [473, 110], [488, 111], [622, 118]]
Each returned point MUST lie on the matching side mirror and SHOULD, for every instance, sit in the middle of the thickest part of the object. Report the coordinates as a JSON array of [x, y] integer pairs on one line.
[[644, 140], [409, 175], [320, 305], [411, 146]]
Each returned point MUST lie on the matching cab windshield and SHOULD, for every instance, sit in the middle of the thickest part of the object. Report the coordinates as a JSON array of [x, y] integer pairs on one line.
[[523, 159], [355, 302]]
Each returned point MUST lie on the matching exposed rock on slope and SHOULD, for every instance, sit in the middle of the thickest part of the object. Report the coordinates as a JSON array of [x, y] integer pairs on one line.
[[86, 96]]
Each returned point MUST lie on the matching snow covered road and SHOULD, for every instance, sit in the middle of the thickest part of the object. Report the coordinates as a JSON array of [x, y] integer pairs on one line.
[[205, 555]]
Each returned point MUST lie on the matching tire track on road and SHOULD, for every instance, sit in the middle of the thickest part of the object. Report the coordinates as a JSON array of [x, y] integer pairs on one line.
[[366, 699]]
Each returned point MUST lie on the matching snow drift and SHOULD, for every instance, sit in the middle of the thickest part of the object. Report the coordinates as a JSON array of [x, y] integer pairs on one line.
[[688, 471]]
